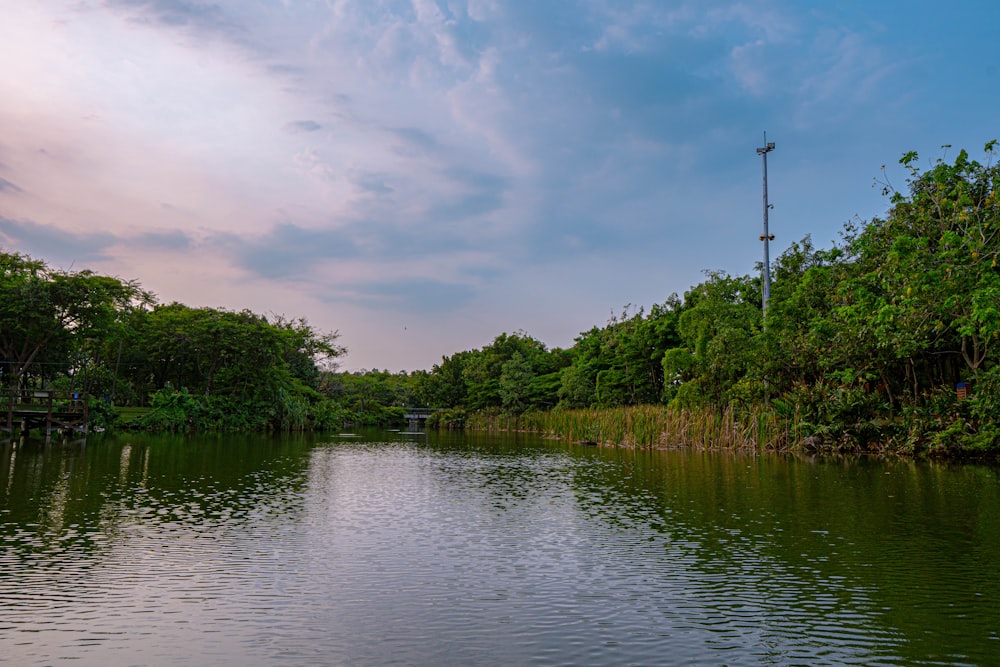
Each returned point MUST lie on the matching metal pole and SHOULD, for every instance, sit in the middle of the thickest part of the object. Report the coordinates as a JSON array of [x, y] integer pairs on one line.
[[766, 237]]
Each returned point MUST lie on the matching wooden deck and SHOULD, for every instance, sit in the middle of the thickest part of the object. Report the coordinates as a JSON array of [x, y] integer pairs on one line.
[[46, 409]]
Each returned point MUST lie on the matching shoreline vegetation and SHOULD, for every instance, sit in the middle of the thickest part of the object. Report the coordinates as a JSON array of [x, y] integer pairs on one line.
[[884, 343], [704, 429], [649, 427]]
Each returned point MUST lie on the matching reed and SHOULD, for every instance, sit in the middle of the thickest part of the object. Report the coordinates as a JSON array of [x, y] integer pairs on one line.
[[492, 420], [651, 426]]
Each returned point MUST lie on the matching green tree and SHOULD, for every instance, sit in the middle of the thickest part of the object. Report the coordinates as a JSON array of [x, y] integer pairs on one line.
[[47, 316], [446, 385], [622, 363], [925, 284], [515, 378], [483, 369], [720, 360]]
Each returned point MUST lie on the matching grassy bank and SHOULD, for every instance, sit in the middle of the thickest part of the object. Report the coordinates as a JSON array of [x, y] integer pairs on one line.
[[775, 427], [654, 426]]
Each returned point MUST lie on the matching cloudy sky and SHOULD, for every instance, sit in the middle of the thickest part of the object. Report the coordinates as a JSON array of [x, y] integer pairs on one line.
[[422, 175]]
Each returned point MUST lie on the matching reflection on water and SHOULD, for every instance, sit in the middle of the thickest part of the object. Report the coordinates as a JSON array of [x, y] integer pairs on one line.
[[446, 549]]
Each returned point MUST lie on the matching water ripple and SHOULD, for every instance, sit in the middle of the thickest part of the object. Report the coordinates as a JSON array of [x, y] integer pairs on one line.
[[403, 553]]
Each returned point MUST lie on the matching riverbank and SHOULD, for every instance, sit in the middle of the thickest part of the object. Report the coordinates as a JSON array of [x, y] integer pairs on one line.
[[776, 427], [764, 428]]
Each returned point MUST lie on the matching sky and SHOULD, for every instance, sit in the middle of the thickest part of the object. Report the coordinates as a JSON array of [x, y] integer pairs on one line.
[[423, 175]]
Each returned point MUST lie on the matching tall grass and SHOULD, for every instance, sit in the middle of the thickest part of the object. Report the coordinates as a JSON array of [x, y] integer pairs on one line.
[[657, 426], [493, 420]]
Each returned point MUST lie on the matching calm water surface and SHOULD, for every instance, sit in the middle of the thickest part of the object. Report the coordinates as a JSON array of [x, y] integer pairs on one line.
[[450, 550]]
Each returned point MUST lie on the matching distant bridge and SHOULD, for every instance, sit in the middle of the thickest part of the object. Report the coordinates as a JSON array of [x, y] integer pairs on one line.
[[47, 409], [417, 417]]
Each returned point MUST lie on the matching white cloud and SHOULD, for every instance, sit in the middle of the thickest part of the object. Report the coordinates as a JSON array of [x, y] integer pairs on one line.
[[750, 66], [317, 154], [847, 74], [765, 20], [637, 27]]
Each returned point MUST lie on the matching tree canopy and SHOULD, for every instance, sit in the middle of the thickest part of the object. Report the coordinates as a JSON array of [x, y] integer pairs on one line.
[[109, 337]]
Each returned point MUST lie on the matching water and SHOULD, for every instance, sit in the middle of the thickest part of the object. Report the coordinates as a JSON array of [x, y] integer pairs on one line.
[[452, 550]]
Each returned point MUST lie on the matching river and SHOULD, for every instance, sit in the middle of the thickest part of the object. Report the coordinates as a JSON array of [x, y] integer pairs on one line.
[[448, 549]]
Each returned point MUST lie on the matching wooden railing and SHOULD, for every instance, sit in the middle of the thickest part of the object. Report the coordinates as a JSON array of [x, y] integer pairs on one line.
[[48, 408]]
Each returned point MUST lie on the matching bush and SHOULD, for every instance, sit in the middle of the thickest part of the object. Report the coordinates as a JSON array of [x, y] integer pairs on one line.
[[173, 410], [449, 418]]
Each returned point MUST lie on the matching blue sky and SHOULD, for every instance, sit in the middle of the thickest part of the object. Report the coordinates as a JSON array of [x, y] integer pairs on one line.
[[422, 175]]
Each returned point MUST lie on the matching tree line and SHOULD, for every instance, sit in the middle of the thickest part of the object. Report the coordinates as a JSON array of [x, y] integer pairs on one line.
[[886, 338], [196, 367]]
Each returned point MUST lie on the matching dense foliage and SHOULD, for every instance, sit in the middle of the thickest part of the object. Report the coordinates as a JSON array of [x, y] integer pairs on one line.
[[195, 367], [863, 344]]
